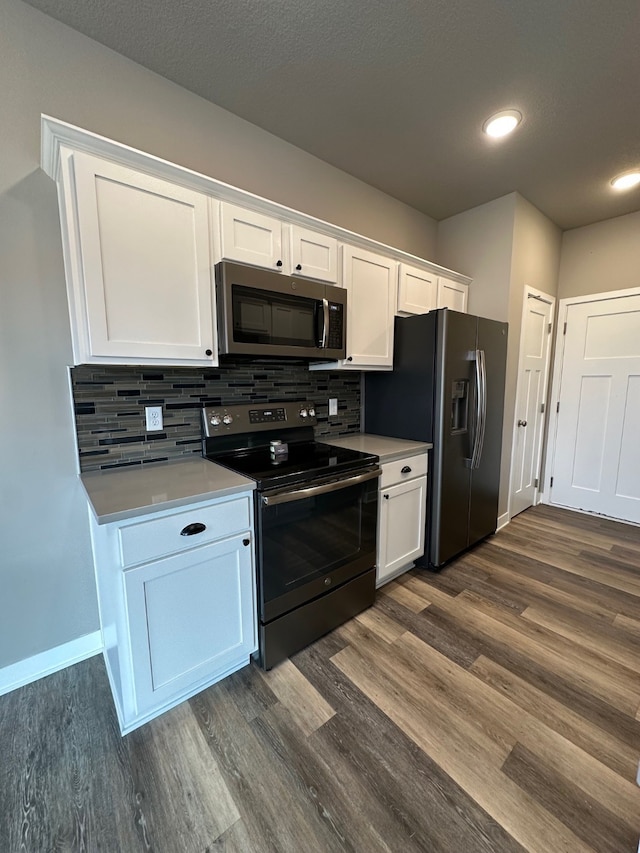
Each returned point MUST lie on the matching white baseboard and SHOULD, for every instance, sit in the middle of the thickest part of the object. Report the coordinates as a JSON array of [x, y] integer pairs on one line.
[[31, 669], [503, 520]]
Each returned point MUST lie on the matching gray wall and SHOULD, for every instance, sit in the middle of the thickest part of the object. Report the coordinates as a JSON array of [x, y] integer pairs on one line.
[[503, 245], [48, 595], [600, 258]]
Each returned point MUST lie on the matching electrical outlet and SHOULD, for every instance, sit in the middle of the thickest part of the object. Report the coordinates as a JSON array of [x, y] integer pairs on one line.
[[333, 406], [153, 416]]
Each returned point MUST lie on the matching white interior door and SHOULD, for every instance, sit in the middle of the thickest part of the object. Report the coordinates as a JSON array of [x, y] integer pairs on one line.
[[531, 393], [596, 464]]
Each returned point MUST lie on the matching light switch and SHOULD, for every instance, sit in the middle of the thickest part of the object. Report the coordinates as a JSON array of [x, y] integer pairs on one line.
[[333, 406]]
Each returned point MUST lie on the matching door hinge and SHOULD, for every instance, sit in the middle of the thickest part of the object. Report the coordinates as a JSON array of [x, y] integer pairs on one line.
[[535, 482], [551, 483], [549, 329], [558, 407], [564, 331], [542, 408]]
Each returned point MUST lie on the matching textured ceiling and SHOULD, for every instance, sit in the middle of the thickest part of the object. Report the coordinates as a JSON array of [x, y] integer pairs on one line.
[[395, 91]]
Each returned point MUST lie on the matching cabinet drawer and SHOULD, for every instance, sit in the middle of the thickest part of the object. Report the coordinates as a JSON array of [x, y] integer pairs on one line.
[[158, 537], [393, 472]]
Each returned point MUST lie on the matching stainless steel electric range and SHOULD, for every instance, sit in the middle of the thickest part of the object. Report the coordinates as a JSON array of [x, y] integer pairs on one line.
[[316, 516]]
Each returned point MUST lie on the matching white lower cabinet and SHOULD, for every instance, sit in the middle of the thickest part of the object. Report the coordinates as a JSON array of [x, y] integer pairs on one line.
[[177, 623], [401, 516]]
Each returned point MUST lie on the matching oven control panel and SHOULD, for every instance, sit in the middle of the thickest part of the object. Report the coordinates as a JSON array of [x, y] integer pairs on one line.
[[267, 416], [231, 420]]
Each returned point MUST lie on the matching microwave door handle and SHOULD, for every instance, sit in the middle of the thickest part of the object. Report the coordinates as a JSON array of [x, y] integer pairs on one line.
[[325, 330], [322, 309]]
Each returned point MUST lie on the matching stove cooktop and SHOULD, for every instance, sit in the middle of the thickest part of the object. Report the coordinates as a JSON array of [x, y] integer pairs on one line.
[[239, 437], [304, 462]]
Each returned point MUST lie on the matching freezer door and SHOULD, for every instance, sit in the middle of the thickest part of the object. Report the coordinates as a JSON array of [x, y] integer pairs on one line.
[[485, 478], [454, 432]]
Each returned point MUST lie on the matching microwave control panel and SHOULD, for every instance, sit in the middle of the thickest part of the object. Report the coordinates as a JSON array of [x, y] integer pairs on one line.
[[336, 325]]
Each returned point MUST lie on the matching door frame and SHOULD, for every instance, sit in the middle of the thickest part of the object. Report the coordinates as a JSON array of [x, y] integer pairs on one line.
[[556, 383], [541, 296]]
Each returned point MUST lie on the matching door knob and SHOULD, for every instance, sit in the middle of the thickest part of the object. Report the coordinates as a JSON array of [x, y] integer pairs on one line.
[[522, 423]]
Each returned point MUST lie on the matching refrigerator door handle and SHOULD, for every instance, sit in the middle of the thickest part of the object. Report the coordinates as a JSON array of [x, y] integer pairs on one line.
[[472, 462], [482, 373]]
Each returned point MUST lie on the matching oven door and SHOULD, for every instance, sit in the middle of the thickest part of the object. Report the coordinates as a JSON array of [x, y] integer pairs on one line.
[[314, 538]]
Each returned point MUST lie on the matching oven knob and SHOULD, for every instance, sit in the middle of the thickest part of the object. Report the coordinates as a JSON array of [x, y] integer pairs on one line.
[[303, 413], [312, 412], [215, 420], [227, 419]]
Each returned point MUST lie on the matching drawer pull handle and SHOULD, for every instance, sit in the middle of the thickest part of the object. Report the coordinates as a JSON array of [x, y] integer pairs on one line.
[[405, 470], [192, 529]]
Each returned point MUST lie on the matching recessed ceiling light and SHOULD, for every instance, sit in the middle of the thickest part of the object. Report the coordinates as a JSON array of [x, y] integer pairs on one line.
[[626, 180], [502, 123]]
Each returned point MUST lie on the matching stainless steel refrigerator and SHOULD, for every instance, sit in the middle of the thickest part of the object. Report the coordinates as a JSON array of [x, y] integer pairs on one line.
[[447, 387]]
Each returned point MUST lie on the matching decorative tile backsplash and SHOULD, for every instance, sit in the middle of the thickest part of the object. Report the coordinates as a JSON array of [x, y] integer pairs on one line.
[[110, 401]]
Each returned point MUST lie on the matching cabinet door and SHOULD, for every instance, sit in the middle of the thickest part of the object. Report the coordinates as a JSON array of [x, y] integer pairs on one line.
[[370, 281], [249, 237], [417, 290], [144, 248], [191, 618], [313, 255], [401, 527], [452, 295]]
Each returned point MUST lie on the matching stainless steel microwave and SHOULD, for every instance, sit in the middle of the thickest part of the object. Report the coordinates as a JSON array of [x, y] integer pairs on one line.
[[266, 313]]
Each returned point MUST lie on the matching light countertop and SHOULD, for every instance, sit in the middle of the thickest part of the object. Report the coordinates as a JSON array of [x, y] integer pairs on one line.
[[387, 449], [123, 493]]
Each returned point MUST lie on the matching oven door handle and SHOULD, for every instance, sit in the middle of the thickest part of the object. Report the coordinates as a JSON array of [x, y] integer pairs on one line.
[[312, 491]]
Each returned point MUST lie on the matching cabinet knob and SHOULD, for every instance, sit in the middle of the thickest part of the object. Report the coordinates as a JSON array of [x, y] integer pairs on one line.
[[246, 542], [298, 267], [193, 529], [386, 497], [278, 263], [405, 470], [350, 358], [208, 352], [522, 423]]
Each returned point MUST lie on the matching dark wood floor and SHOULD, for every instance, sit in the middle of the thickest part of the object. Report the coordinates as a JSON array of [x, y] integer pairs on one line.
[[491, 708]]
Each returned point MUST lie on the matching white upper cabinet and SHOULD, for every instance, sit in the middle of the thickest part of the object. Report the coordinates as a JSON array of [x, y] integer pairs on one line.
[[452, 294], [250, 237], [370, 281], [417, 290], [312, 254], [138, 259], [141, 237]]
